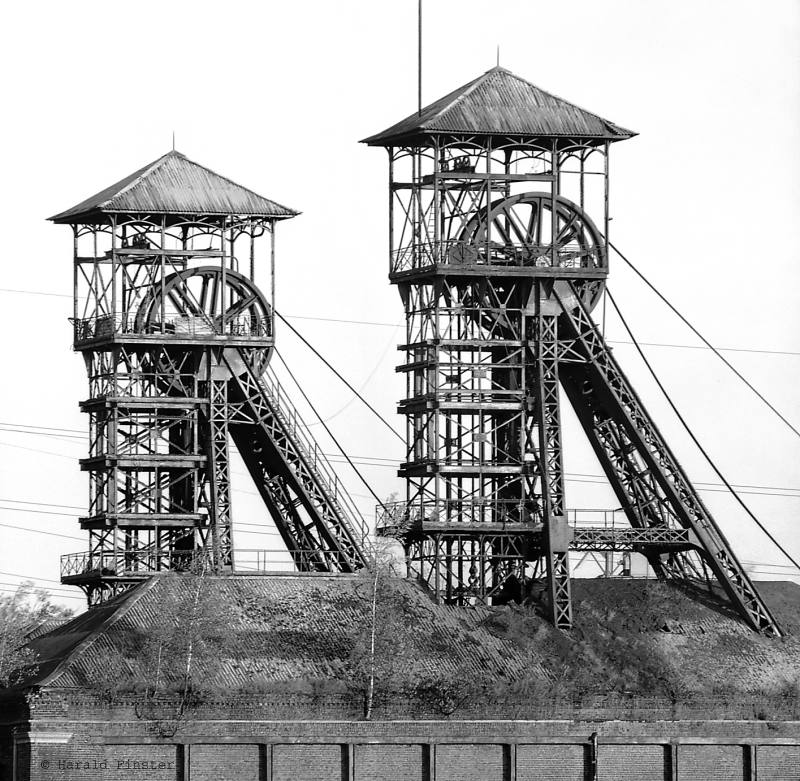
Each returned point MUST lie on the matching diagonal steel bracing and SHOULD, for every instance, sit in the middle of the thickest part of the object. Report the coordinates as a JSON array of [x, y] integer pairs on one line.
[[556, 530], [313, 513], [647, 478]]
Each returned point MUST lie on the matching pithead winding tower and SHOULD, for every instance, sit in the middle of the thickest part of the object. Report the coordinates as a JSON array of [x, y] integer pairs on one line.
[[177, 337], [499, 265]]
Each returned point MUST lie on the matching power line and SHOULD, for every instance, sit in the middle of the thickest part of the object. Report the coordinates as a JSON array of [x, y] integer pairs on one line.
[[694, 438], [34, 292], [704, 347], [41, 531], [338, 320], [42, 504], [394, 325], [49, 428], [37, 450], [366, 381], [388, 463], [703, 339], [56, 596], [327, 429], [56, 589], [36, 512], [29, 577], [338, 374]]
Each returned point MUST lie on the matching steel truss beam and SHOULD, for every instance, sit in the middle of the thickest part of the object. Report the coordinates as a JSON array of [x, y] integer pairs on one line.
[[292, 475], [219, 471], [556, 530], [647, 478]]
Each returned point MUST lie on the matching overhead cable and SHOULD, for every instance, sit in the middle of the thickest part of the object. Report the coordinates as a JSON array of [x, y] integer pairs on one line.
[[694, 438], [703, 339], [327, 429], [338, 374]]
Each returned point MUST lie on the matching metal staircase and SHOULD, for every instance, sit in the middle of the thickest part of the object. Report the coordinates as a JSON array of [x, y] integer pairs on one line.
[[317, 519]]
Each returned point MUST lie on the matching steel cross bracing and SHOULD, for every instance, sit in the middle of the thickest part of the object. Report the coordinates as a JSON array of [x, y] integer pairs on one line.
[[648, 480], [313, 513], [498, 266], [162, 304], [556, 529], [219, 473]]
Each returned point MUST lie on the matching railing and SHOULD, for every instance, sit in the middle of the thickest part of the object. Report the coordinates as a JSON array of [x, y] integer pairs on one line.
[[141, 384], [310, 450], [400, 517], [454, 252], [600, 530], [609, 530], [255, 560], [130, 563], [177, 327], [145, 563]]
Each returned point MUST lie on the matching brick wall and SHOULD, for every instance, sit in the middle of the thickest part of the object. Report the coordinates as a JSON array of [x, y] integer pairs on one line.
[[391, 763], [248, 740], [714, 763], [633, 763], [464, 762], [212, 762], [552, 762], [778, 763], [309, 763], [64, 756]]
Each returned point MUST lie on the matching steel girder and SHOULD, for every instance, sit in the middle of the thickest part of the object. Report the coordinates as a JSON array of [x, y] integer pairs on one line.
[[306, 501], [218, 470], [648, 480], [556, 530]]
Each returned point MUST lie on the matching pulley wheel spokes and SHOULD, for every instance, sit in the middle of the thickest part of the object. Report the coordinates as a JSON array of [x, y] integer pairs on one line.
[[520, 230]]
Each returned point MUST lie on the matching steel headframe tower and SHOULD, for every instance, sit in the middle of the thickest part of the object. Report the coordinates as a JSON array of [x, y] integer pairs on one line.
[[499, 265], [176, 337]]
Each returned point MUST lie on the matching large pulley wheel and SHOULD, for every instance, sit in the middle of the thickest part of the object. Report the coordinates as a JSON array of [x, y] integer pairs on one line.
[[203, 301], [521, 231]]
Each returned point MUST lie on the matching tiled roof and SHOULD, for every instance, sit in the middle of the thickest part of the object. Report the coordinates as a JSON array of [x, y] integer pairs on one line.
[[501, 103], [173, 184], [285, 628]]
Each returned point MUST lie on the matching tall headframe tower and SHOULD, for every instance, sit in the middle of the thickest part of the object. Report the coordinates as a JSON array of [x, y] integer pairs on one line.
[[174, 317], [498, 220]]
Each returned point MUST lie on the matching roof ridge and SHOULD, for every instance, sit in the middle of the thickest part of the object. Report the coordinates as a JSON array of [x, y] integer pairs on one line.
[[146, 171], [463, 91], [110, 620], [235, 184], [501, 102], [563, 100]]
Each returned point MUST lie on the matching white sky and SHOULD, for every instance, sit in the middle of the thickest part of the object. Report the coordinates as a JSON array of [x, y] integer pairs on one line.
[[276, 96]]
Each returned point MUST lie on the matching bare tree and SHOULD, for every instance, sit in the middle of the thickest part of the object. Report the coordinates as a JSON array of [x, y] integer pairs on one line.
[[169, 665], [21, 613], [380, 652]]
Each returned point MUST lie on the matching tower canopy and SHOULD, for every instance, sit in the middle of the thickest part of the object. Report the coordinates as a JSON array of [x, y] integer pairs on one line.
[[499, 103], [173, 184]]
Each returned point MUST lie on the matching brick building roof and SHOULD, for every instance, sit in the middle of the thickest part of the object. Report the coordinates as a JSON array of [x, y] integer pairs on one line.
[[302, 627]]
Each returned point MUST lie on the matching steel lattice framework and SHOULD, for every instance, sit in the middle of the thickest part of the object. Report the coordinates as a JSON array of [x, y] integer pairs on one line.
[[177, 339], [499, 265]]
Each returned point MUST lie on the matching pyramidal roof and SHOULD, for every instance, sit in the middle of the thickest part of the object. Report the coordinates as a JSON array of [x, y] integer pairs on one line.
[[501, 103], [173, 184]]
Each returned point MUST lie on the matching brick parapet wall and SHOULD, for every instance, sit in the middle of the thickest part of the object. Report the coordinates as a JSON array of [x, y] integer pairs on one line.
[[70, 704], [70, 732]]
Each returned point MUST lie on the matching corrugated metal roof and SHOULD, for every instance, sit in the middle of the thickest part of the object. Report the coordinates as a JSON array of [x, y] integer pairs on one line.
[[501, 103], [173, 184]]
